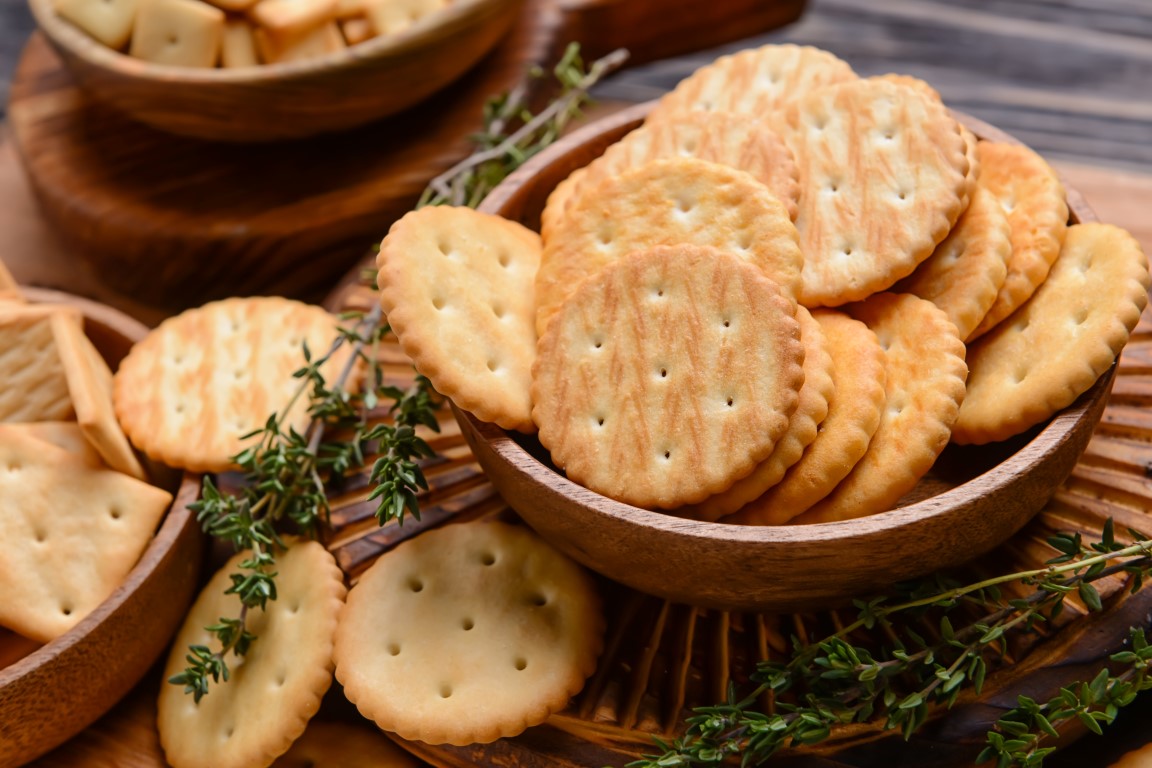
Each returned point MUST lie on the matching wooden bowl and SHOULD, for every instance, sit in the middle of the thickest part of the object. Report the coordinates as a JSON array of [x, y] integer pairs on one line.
[[365, 82], [973, 499], [59, 689]]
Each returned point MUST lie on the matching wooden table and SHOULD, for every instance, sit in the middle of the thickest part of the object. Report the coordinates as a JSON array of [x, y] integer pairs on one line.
[[1069, 77]]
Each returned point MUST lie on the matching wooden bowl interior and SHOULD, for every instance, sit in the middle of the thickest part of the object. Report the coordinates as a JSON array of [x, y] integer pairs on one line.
[[59, 689], [364, 82], [973, 499]]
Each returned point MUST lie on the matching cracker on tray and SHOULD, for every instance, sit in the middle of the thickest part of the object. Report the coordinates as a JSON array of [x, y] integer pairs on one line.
[[269, 698], [468, 633], [458, 289]]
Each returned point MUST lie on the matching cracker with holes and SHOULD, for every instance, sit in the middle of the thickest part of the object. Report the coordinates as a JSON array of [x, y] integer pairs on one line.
[[668, 202], [1054, 348], [883, 179], [854, 407], [728, 138], [190, 390], [90, 387], [758, 81], [802, 429], [467, 634], [336, 744], [966, 271], [33, 386], [668, 376], [182, 33], [268, 699], [924, 386], [458, 289], [69, 533], [1031, 194]]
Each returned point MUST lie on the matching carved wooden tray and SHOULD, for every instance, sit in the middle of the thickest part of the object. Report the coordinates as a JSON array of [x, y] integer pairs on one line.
[[662, 658]]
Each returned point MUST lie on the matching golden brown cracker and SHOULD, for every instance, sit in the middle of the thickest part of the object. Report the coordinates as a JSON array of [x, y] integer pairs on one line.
[[924, 386], [109, 22], [667, 376], [1032, 195], [271, 694], [468, 633], [71, 533], [854, 409], [190, 390], [1042, 357], [802, 429], [668, 202], [90, 387], [33, 386], [882, 180], [182, 33], [392, 17], [458, 289], [964, 274], [735, 140], [66, 435], [757, 81]]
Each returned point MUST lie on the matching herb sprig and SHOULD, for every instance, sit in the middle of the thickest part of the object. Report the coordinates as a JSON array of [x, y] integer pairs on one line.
[[834, 681], [287, 474]]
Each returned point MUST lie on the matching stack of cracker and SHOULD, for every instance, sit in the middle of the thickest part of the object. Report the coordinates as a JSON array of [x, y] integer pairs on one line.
[[75, 510], [780, 298], [241, 33]]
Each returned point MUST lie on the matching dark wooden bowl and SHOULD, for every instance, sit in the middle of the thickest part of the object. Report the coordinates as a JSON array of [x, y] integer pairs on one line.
[[59, 689], [974, 498], [352, 87]]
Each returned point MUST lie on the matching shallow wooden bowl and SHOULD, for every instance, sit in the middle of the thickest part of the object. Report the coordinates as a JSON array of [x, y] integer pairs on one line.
[[59, 689], [376, 78], [973, 499]]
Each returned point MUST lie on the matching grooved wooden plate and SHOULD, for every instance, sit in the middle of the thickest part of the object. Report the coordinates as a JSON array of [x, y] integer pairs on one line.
[[60, 688]]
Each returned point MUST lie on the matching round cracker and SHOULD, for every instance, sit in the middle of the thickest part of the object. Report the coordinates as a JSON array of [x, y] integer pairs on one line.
[[667, 376], [756, 81], [276, 687], [1031, 194], [924, 386], [668, 202], [468, 633], [457, 287], [964, 274], [802, 429], [882, 174], [1054, 348], [205, 378], [734, 140], [854, 409]]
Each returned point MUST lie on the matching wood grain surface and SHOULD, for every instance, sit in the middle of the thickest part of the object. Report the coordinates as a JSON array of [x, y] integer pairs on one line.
[[1070, 77]]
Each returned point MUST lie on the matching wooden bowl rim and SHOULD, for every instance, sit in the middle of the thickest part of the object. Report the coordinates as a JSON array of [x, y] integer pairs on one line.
[[424, 34], [162, 541], [1041, 445]]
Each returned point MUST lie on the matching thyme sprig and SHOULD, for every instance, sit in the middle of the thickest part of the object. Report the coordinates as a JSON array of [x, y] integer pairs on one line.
[[287, 474], [836, 681], [500, 152]]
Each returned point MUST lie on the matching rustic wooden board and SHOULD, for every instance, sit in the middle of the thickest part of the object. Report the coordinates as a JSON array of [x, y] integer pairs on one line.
[[176, 221]]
